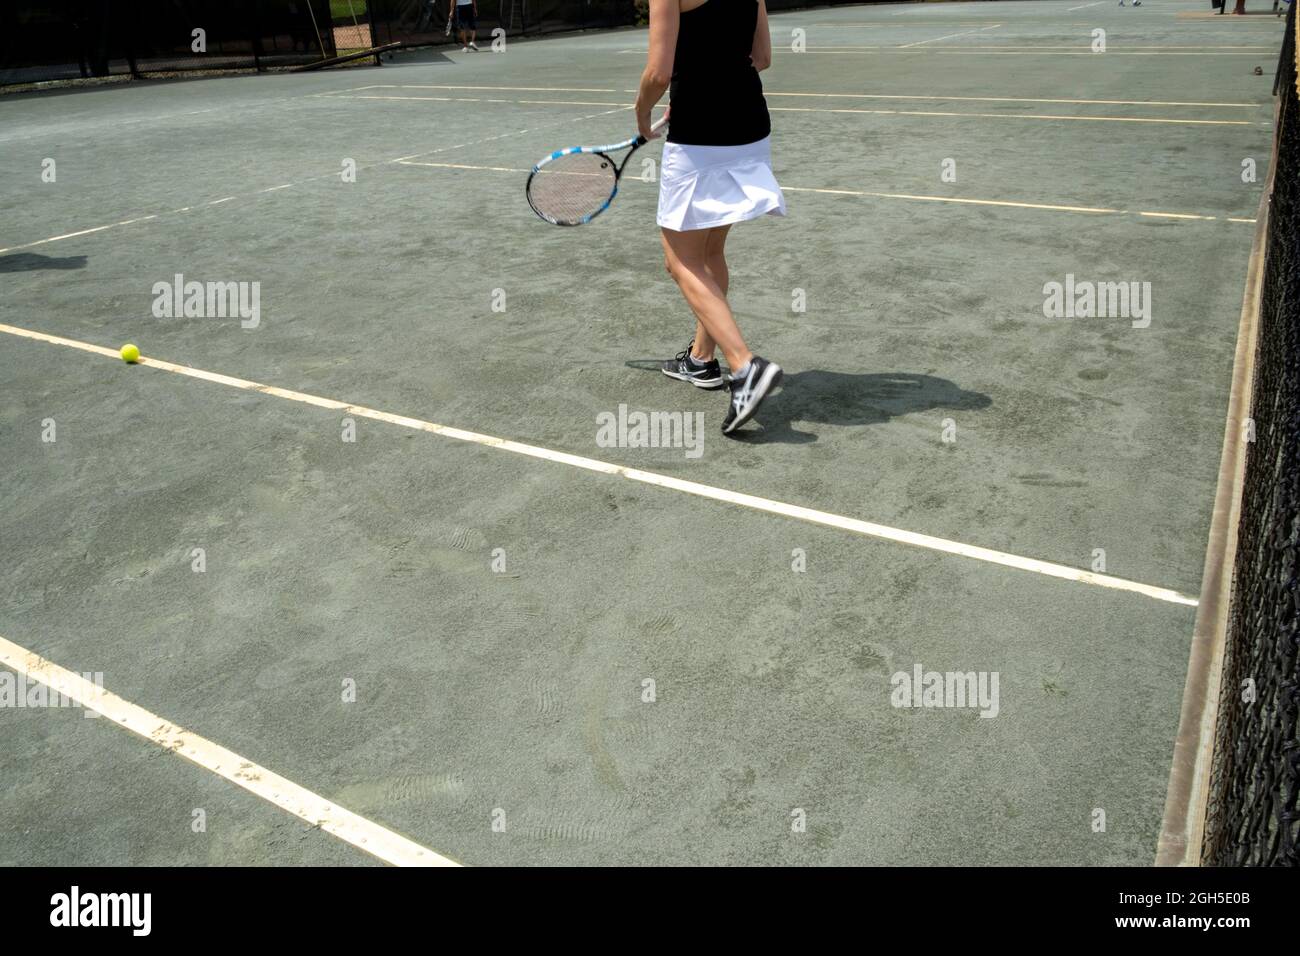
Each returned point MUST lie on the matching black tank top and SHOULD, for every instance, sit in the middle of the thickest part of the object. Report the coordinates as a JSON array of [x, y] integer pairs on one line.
[[716, 95]]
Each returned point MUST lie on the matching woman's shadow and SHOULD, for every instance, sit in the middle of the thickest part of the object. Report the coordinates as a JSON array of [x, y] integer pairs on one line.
[[846, 398]]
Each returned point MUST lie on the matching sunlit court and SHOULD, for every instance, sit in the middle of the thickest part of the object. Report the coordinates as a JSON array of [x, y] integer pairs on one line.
[[349, 518]]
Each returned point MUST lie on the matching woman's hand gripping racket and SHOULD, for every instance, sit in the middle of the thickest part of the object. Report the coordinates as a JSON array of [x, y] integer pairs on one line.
[[573, 186]]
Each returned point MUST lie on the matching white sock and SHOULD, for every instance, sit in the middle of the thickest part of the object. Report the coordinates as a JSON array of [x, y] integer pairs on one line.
[[698, 362], [743, 371]]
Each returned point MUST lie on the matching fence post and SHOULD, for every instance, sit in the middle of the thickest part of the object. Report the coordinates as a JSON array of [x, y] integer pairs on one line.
[[129, 31], [256, 23]]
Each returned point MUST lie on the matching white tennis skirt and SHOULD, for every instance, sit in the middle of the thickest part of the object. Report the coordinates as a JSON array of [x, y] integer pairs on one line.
[[705, 186]]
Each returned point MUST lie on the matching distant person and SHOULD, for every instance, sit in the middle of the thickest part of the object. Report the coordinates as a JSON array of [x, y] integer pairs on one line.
[[467, 24], [1136, 3]]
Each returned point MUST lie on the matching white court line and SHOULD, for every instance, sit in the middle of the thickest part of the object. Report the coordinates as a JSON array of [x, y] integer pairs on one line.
[[511, 89], [618, 108], [491, 169], [872, 23], [349, 827], [477, 99], [329, 175], [915, 197], [1081, 53], [1050, 117], [904, 46], [846, 192], [1005, 99], [1177, 121], [1257, 48], [855, 96], [882, 25], [81, 232], [1085, 6], [1093, 210], [495, 169], [1176, 215], [866, 528], [955, 51], [242, 106]]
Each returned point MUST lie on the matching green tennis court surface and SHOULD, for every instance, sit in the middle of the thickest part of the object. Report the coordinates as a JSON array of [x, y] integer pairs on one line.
[[549, 663]]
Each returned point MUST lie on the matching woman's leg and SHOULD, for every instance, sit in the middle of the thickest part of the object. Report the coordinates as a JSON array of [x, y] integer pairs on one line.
[[702, 347], [715, 263], [704, 280]]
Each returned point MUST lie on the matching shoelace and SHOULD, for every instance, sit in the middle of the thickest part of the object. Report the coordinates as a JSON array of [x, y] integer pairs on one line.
[[681, 356]]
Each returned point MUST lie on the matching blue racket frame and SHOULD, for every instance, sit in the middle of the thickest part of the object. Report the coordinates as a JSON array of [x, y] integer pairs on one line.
[[633, 144]]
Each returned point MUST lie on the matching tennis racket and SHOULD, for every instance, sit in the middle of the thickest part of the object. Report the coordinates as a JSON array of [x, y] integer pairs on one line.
[[573, 186]]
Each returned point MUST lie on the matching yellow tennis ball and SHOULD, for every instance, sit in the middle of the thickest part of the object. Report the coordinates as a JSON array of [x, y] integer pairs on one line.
[[130, 353]]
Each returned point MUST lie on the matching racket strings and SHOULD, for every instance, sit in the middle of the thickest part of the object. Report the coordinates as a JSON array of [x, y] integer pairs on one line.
[[573, 187]]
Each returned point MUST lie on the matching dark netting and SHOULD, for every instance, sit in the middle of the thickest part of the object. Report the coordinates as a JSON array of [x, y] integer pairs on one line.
[[426, 20], [44, 40], [1255, 776], [416, 22]]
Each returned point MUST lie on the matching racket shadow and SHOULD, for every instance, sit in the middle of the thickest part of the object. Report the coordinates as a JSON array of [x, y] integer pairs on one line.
[[31, 262], [821, 397]]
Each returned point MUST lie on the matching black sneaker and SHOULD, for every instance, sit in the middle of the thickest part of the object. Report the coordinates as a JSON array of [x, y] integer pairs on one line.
[[701, 376], [748, 393]]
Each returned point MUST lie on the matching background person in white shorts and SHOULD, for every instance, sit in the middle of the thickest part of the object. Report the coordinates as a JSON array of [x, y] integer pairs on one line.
[[467, 24], [716, 171]]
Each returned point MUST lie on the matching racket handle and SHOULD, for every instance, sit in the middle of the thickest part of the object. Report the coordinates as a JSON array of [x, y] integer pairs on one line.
[[655, 127]]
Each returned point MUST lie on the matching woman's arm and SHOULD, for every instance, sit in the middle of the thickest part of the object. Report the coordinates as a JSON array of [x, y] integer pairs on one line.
[[665, 15], [761, 54]]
